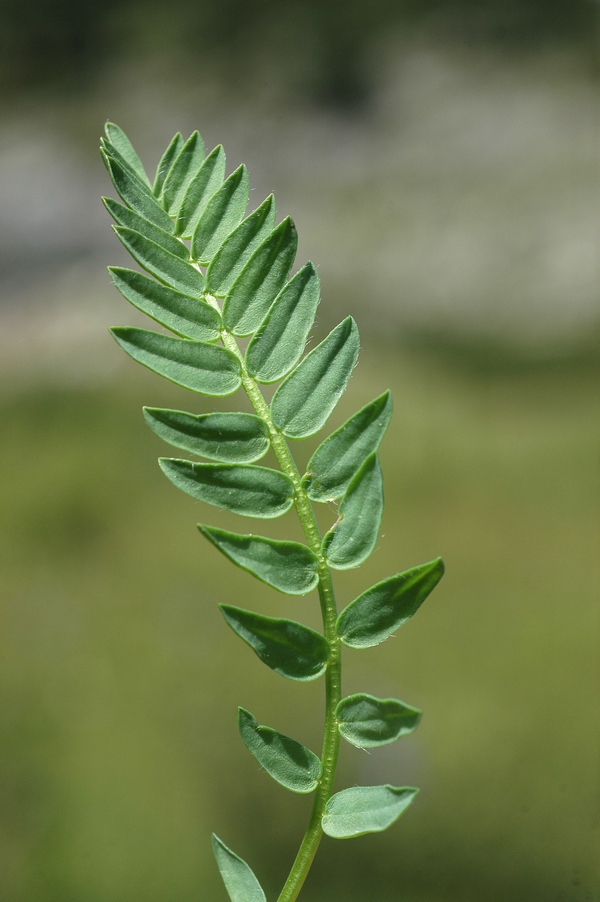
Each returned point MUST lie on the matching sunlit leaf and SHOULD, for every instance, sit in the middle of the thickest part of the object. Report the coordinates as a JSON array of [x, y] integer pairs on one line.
[[367, 722], [186, 316], [108, 150], [236, 250], [136, 195], [167, 267], [342, 454], [166, 161], [238, 877], [121, 143], [365, 809], [289, 648], [240, 488], [385, 607], [279, 342], [204, 184], [353, 538], [261, 279], [183, 169], [306, 398], [287, 566], [228, 437], [289, 762], [129, 219], [223, 212], [196, 365]]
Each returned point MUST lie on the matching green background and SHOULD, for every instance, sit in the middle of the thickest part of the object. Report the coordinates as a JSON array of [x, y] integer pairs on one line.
[[119, 680]]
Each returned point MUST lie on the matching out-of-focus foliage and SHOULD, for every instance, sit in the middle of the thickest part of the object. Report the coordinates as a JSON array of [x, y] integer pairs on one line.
[[113, 650], [67, 40]]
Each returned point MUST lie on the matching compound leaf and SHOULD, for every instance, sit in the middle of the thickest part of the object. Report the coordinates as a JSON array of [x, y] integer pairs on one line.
[[186, 316], [236, 250], [196, 365], [289, 648], [239, 488], [279, 342], [129, 219], [166, 161], [238, 877], [353, 538], [365, 809], [306, 398], [289, 762], [386, 606], [261, 279], [223, 212], [341, 455], [204, 184], [239, 438], [166, 267], [287, 566], [135, 194], [367, 722], [121, 143], [185, 166]]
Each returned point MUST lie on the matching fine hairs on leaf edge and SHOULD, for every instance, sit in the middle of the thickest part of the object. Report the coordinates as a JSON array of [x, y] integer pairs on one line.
[[215, 273]]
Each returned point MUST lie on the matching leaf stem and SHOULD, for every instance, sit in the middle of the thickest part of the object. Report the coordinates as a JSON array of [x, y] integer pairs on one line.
[[333, 674]]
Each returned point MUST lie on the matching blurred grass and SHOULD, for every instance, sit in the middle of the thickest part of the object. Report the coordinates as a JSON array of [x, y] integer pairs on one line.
[[119, 750]]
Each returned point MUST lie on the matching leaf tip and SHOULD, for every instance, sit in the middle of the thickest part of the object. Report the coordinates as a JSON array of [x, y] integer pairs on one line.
[[166, 464], [118, 333]]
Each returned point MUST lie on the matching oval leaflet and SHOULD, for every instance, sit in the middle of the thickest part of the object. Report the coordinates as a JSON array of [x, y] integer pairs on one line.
[[289, 648], [226, 437], [365, 809], [386, 606], [288, 566], [367, 722], [240, 488], [289, 762]]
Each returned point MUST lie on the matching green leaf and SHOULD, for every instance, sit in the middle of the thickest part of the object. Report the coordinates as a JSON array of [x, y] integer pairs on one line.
[[136, 195], [166, 161], [279, 342], [108, 149], [204, 184], [239, 438], [342, 454], [240, 488], [238, 877], [385, 607], [306, 398], [223, 212], [289, 762], [367, 722], [236, 250], [261, 279], [289, 648], [365, 809], [353, 538], [167, 267], [196, 365], [121, 143], [287, 566], [129, 219], [184, 168], [186, 316]]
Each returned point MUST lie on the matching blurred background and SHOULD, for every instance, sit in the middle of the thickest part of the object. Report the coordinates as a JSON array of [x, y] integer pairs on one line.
[[440, 161]]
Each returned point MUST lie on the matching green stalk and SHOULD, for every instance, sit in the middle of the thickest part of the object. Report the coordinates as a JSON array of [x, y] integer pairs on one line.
[[333, 675]]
